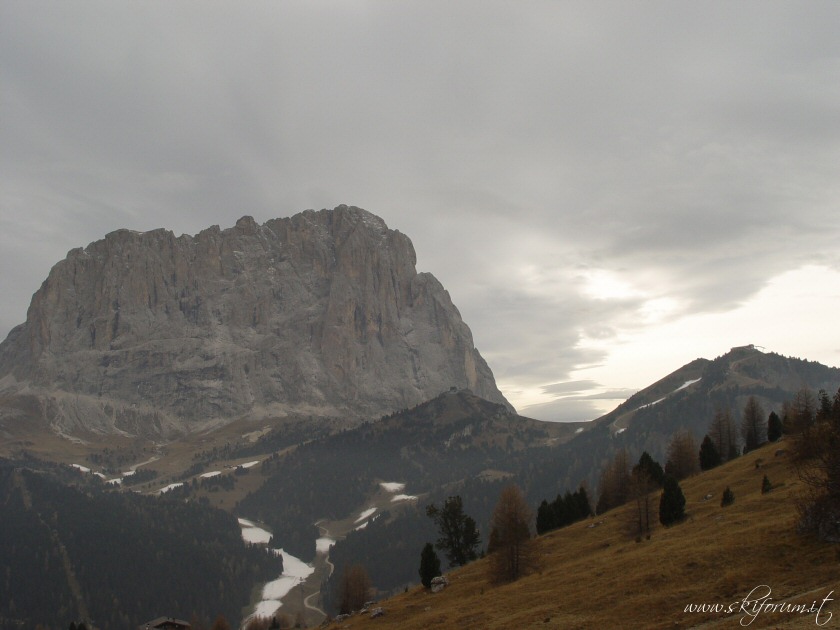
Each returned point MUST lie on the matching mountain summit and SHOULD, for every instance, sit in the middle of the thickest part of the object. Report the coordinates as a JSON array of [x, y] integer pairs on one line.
[[323, 313]]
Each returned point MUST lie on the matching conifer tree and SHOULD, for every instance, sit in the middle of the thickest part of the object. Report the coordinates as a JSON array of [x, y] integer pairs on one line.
[[766, 486], [650, 466], [459, 537], [672, 502], [429, 565], [728, 497], [774, 427], [709, 456], [546, 520]]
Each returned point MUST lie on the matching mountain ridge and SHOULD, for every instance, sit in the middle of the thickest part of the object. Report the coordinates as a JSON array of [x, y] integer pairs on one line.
[[322, 313]]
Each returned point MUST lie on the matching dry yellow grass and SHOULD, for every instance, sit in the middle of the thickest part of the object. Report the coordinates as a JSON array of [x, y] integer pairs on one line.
[[599, 577]]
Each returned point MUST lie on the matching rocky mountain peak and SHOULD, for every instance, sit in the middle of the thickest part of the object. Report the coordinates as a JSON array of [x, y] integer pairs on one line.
[[322, 313]]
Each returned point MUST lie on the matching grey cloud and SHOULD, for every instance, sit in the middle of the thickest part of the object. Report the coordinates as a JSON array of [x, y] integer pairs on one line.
[[689, 150], [569, 387]]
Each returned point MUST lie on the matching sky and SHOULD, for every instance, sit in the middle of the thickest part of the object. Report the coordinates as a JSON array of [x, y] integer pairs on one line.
[[608, 190]]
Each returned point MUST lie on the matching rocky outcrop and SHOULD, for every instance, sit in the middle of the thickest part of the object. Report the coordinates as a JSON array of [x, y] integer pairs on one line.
[[322, 313]]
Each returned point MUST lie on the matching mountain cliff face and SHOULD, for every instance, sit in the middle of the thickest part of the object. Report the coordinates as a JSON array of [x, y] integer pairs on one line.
[[322, 313]]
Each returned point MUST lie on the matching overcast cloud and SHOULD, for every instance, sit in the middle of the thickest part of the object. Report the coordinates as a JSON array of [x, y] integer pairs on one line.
[[581, 177]]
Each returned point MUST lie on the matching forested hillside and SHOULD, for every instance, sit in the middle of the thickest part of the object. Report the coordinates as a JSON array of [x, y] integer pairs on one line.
[[452, 438], [115, 558]]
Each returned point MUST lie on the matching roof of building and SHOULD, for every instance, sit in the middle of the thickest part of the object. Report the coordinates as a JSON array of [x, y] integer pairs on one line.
[[165, 622]]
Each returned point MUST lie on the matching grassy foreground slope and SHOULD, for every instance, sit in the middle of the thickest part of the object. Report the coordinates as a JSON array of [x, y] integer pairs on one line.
[[594, 575]]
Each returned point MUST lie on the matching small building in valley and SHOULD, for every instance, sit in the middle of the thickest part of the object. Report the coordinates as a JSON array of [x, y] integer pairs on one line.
[[164, 623]]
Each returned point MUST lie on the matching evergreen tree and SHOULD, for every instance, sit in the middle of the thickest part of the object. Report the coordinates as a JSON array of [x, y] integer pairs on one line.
[[583, 508], [650, 466], [709, 456], [672, 502], [774, 427], [546, 520], [429, 565], [459, 537], [766, 486], [728, 497]]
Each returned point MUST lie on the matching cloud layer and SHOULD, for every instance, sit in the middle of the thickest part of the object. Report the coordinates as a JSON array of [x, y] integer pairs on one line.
[[574, 173]]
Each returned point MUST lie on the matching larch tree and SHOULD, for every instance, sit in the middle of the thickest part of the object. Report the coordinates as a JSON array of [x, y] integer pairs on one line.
[[642, 487], [510, 550], [220, 624], [722, 432], [753, 428], [816, 451], [614, 485], [682, 456], [354, 589]]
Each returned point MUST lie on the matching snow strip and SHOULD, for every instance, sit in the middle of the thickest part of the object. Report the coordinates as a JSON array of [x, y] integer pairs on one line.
[[403, 497], [253, 534], [84, 469], [211, 474], [686, 384], [392, 486], [249, 464], [365, 514], [323, 544], [295, 572], [171, 486]]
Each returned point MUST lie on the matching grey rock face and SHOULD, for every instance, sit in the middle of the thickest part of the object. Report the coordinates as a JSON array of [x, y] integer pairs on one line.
[[322, 313]]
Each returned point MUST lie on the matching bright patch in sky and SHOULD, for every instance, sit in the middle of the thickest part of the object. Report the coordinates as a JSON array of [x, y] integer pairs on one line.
[[638, 357], [606, 286]]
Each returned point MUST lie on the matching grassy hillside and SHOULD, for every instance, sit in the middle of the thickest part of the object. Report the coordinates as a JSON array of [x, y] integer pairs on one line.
[[594, 575]]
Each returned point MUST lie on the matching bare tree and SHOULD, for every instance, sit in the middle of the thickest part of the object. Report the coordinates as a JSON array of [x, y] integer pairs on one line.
[[682, 456], [817, 460], [753, 424], [614, 486], [220, 624], [800, 421], [354, 589], [642, 493], [511, 550], [722, 433]]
